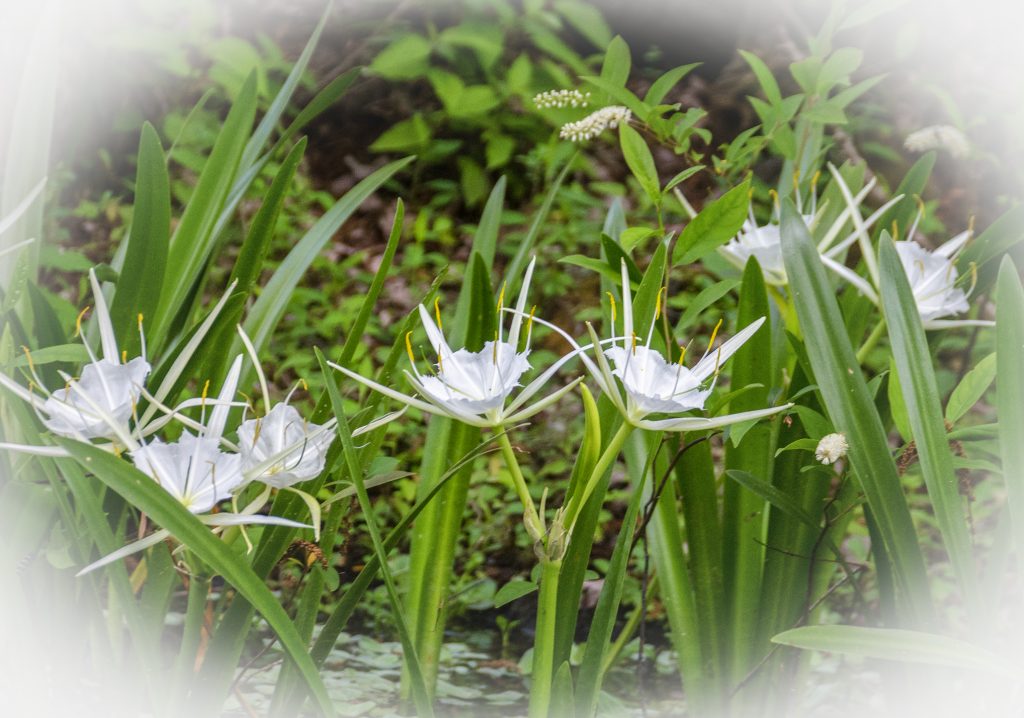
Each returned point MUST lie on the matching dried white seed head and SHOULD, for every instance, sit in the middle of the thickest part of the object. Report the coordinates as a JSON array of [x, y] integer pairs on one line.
[[595, 123], [562, 98], [939, 137], [831, 448]]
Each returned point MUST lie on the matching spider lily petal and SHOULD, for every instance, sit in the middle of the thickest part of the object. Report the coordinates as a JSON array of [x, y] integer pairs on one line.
[[474, 387], [100, 403], [933, 279], [653, 385], [281, 448]]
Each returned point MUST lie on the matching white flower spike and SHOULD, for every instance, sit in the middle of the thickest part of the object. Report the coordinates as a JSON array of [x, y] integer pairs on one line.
[[831, 448], [473, 387]]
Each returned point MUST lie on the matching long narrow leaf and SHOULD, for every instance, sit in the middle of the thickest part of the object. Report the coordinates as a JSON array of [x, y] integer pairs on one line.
[[1010, 394], [848, 401], [924, 413], [141, 491]]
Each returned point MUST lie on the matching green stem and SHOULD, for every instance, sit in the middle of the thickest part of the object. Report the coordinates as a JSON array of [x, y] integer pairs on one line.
[[608, 456], [529, 510], [198, 590], [626, 634], [544, 642], [871, 341]]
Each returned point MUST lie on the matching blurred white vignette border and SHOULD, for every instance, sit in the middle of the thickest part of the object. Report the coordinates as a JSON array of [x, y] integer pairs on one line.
[[972, 50]]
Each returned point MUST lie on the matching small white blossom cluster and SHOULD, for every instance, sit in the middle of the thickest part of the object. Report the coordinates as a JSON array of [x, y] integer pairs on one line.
[[939, 137], [831, 448], [562, 98], [595, 123]]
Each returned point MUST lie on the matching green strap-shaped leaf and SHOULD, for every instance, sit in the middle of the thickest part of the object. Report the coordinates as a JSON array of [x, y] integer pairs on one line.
[[145, 259], [194, 237], [268, 309], [892, 644], [924, 412], [1010, 394], [849, 405], [142, 492]]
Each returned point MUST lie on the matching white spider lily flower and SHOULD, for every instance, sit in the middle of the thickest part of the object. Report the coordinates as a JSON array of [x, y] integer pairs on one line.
[[765, 244], [765, 241], [474, 387], [653, 385], [99, 403], [194, 469], [282, 448], [933, 279]]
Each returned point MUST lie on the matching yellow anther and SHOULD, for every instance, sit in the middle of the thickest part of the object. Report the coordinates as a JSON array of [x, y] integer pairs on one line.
[[124, 356], [437, 311], [206, 388], [634, 342], [78, 321], [714, 334], [682, 353], [796, 179], [408, 347], [611, 298], [501, 296], [494, 349], [895, 231], [657, 303], [28, 355], [815, 178], [305, 386], [140, 320], [774, 196], [529, 319]]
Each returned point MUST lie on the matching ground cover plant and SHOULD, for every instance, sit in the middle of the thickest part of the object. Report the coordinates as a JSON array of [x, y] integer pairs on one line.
[[695, 421]]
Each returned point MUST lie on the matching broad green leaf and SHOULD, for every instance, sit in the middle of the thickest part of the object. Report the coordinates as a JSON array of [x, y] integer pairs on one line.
[[971, 388], [715, 225], [660, 87], [851, 409], [410, 135], [587, 19], [893, 644], [513, 590], [1010, 391], [617, 62], [142, 492], [640, 161], [404, 59], [621, 95], [485, 40], [924, 412], [764, 77], [142, 274]]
